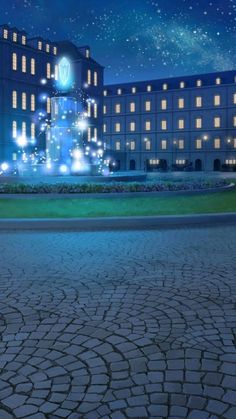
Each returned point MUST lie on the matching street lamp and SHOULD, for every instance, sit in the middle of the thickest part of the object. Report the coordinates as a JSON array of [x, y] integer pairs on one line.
[[174, 149], [205, 139]]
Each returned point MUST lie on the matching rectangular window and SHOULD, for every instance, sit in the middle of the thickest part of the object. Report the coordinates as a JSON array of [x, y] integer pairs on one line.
[[95, 110], [218, 80], [182, 85], [132, 126], [23, 64], [164, 124], [147, 125], [5, 33], [14, 99], [55, 50], [234, 121], [164, 104], [199, 83], [149, 88], [40, 45], [14, 129], [217, 100], [234, 142], [163, 144], [117, 146], [32, 66], [198, 101], [234, 98], [32, 130], [134, 90], [14, 37], [119, 91], [117, 108], [181, 144], [217, 143], [14, 61], [24, 129], [87, 53], [105, 93], [23, 39], [147, 106], [47, 48], [48, 105], [165, 86], [181, 124], [89, 133], [147, 144], [117, 127], [217, 122], [95, 133], [24, 104], [132, 107], [89, 109], [104, 109], [104, 128], [198, 144], [132, 145], [89, 77], [95, 78], [32, 103], [198, 123], [181, 103], [56, 72], [48, 70]]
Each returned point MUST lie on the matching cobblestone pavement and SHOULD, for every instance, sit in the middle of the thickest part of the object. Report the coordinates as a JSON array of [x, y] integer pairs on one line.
[[118, 325]]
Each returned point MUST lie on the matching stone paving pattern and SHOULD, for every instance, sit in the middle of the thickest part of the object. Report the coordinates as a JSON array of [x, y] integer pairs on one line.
[[118, 324]]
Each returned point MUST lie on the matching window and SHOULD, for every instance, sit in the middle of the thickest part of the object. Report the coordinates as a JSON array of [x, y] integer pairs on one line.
[[24, 105], [5, 33], [134, 90], [234, 142], [217, 100], [217, 122], [234, 121], [105, 93], [182, 85], [181, 123], [87, 53], [95, 78], [181, 144], [89, 77], [132, 145], [14, 99], [117, 127], [95, 110], [163, 144], [40, 45], [218, 80], [198, 123], [48, 70], [165, 86], [217, 143], [32, 130], [24, 129], [23, 39], [199, 83], [89, 109], [132, 107], [89, 133], [32, 66], [117, 145], [14, 156], [14, 61], [117, 108], [147, 125], [154, 161], [164, 124], [198, 143], [132, 126], [198, 101], [14, 37], [104, 128], [48, 105], [56, 72], [234, 98], [95, 133], [104, 109], [147, 144], [231, 161], [23, 64], [32, 103], [14, 129], [164, 104], [147, 106], [47, 48], [181, 103], [119, 91], [55, 50], [149, 88]]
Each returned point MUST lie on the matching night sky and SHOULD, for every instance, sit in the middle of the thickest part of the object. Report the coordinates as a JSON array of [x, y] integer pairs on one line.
[[137, 39]]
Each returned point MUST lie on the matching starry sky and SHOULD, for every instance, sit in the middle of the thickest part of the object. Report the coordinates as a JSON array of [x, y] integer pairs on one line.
[[137, 39]]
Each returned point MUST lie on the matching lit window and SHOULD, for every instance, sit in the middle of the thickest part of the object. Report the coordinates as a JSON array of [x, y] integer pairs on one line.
[[48, 70], [105, 93], [198, 123], [89, 133], [117, 145], [14, 61], [23, 64], [47, 48], [132, 126], [234, 98], [117, 108], [32, 130], [95, 78], [24, 129], [181, 103], [217, 143], [147, 106], [199, 83], [164, 124], [182, 85], [23, 39], [119, 91], [14, 99], [148, 125], [14, 37], [181, 123], [89, 109], [181, 144], [5, 33], [32, 103], [163, 144], [117, 127], [104, 109], [132, 145], [147, 144], [87, 53], [165, 86], [40, 45], [14, 129], [55, 50], [56, 72], [217, 100], [217, 122], [89, 79], [95, 133], [32, 66], [95, 110], [218, 80], [24, 105], [132, 107], [164, 104], [234, 121], [48, 105], [234, 142], [134, 90], [14, 156], [198, 101], [104, 127], [198, 144], [149, 88]]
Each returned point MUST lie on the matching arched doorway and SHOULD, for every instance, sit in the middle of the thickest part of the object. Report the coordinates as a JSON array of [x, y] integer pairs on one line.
[[132, 165], [163, 164], [217, 165], [198, 165]]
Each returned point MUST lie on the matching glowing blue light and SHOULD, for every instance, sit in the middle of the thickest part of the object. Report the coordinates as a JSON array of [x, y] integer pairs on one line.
[[63, 169], [4, 167], [65, 74], [22, 141]]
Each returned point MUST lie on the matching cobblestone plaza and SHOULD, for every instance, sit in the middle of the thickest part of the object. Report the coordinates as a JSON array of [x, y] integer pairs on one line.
[[118, 324]]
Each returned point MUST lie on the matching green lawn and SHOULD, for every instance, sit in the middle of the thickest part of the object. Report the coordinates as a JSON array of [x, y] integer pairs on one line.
[[111, 207]]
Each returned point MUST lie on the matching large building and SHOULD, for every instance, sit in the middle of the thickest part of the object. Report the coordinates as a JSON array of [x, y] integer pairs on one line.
[[178, 123]]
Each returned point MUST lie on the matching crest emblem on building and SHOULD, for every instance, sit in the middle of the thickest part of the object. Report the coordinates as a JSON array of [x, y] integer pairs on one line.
[[64, 71]]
